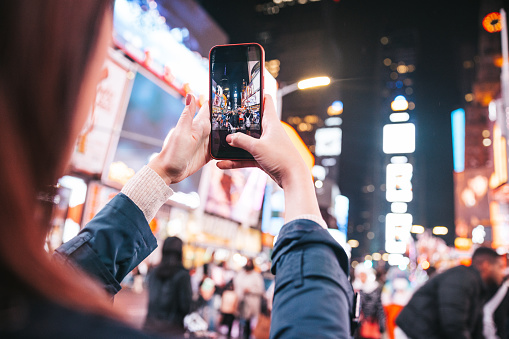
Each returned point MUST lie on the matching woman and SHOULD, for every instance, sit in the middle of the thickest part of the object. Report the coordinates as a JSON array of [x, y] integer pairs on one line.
[[50, 65], [48, 79], [249, 287], [170, 294]]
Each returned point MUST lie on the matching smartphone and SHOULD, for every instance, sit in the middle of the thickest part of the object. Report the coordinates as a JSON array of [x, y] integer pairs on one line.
[[236, 96]]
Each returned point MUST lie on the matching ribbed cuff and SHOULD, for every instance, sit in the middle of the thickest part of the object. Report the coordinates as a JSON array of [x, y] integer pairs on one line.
[[148, 191], [312, 217]]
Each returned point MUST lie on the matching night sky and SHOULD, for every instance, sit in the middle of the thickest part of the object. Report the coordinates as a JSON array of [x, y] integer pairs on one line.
[[447, 33]]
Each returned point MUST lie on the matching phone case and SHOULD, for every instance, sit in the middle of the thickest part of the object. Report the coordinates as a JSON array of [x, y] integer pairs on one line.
[[262, 90]]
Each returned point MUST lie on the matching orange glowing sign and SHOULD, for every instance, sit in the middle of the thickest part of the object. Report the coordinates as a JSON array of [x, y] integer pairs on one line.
[[308, 157], [492, 22]]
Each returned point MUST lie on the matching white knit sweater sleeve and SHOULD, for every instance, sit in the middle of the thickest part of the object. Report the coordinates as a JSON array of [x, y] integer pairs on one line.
[[148, 191]]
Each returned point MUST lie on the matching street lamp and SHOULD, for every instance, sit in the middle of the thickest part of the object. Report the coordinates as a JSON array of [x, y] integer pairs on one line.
[[313, 82], [303, 84]]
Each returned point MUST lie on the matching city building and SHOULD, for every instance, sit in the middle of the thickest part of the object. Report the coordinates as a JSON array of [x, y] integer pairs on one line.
[[480, 144]]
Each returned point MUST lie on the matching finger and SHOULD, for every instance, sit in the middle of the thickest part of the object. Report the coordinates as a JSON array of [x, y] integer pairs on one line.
[[185, 122], [269, 110], [202, 119], [270, 119], [241, 140], [232, 164], [203, 113]]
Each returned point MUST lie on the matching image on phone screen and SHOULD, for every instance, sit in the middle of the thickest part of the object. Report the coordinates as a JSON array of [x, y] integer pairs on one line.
[[236, 94]]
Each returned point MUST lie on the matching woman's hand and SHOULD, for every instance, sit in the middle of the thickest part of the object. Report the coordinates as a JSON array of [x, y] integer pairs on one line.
[[186, 148], [275, 154]]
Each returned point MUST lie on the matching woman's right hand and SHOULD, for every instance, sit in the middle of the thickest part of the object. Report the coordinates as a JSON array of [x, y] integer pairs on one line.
[[273, 152]]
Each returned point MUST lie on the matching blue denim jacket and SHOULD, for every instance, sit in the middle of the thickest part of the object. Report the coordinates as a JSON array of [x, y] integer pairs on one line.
[[313, 297], [113, 243]]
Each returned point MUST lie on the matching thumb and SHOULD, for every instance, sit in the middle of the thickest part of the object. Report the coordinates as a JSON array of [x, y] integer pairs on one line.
[[241, 140]]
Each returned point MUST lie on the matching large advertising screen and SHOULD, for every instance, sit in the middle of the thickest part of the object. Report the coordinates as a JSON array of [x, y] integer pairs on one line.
[[397, 232], [93, 143], [399, 183], [399, 138], [153, 110], [236, 194]]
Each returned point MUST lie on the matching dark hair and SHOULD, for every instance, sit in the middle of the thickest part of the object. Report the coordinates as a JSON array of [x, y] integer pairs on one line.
[[171, 261], [249, 265], [46, 48], [483, 254]]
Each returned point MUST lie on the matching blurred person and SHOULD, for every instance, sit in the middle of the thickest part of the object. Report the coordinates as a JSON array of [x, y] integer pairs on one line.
[[137, 280], [249, 287], [450, 304], [269, 296], [229, 304], [235, 118], [372, 323], [223, 279], [496, 311], [431, 272], [247, 117], [381, 275], [396, 293], [54, 53], [211, 289], [170, 293], [262, 328], [206, 300]]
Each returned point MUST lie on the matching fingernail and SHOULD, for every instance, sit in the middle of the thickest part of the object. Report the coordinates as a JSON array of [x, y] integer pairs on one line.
[[229, 138], [188, 99]]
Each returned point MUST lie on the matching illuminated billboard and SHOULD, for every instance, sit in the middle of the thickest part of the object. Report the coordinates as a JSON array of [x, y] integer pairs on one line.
[[399, 138], [397, 232], [341, 207], [458, 139], [328, 141], [399, 183]]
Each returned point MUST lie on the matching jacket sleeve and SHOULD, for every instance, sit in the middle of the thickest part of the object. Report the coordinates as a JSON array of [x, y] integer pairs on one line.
[[454, 303], [313, 297], [112, 244]]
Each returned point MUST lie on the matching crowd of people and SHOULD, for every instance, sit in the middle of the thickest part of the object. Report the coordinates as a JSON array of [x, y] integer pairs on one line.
[[460, 302], [240, 119], [219, 296]]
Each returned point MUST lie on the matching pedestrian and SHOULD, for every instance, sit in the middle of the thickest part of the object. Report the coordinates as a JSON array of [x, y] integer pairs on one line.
[[396, 293], [450, 304], [496, 311], [229, 304], [68, 295], [213, 302], [372, 313], [170, 293], [250, 288]]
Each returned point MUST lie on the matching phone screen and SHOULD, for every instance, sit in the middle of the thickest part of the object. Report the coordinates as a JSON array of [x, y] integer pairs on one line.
[[236, 96]]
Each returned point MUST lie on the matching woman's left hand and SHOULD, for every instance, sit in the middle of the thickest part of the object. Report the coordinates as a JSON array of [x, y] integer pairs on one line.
[[186, 148]]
